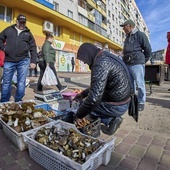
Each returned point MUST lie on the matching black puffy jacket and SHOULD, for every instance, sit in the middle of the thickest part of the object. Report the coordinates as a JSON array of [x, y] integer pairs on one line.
[[17, 47], [109, 83]]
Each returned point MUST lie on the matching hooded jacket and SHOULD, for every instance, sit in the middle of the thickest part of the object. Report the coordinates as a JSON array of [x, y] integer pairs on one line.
[[109, 78], [137, 49], [17, 47], [167, 57]]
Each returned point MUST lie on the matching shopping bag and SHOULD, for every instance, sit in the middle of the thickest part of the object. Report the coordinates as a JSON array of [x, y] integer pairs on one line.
[[133, 107], [49, 78]]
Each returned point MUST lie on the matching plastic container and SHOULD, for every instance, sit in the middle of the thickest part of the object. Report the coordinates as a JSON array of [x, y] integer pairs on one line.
[[53, 160], [49, 108], [14, 136], [69, 96], [93, 129]]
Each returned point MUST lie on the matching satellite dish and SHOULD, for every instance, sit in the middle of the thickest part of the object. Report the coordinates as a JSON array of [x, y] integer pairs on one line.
[[98, 3]]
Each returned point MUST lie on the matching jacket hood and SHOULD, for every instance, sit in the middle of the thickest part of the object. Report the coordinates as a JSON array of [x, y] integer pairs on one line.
[[134, 31], [87, 53]]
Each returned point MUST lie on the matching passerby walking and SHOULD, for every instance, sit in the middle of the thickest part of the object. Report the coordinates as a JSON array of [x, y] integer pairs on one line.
[[19, 47], [48, 58], [137, 51], [72, 63]]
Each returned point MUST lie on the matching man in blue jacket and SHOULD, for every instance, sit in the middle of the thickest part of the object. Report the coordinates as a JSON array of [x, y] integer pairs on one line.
[[137, 51], [19, 47]]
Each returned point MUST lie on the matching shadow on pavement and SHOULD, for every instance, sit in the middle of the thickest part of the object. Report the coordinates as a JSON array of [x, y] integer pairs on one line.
[[159, 102]]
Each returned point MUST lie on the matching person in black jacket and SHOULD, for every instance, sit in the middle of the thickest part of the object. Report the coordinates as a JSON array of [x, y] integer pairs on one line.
[[137, 51], [108, 96], [19, 47]]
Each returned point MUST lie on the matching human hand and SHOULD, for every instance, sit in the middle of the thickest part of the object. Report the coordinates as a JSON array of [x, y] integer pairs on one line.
[[80, 122], [78, 97], [32, 65]]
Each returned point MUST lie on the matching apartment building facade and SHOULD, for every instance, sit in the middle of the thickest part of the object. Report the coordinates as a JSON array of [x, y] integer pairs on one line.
[[74, 22]]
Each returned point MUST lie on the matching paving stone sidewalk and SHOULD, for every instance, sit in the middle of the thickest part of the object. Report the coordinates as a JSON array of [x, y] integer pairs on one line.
[[134, 150]]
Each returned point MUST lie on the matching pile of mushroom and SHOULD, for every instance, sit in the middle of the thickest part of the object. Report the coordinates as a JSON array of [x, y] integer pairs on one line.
[[22, 117]]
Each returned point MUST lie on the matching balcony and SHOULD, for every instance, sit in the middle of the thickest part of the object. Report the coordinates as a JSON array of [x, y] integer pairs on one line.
[[91, 17], [91, 3], [45, 3], [104, 26]]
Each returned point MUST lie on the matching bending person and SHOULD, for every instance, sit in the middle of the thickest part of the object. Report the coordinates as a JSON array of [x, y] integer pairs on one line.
[[109, 94]]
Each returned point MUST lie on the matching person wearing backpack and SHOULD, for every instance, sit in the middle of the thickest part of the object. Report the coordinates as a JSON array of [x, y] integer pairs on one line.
[[136, 51]]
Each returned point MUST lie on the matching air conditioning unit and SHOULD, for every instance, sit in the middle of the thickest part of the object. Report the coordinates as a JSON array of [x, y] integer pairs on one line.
[[48, 27], [98, 3]]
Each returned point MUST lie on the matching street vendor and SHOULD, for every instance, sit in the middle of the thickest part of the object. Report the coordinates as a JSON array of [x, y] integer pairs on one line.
[[108, 96]]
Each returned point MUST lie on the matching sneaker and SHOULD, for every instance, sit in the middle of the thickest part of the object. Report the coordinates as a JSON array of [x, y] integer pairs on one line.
[[63, 88], [141, 107], [113, 126]]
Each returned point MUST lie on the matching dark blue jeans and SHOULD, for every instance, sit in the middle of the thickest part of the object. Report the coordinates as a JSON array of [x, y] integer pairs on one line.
[[9, 69], [107, 111]]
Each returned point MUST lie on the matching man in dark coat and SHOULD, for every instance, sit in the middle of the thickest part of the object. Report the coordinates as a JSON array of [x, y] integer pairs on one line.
[[19, 47], [137, 51], [109, 93]]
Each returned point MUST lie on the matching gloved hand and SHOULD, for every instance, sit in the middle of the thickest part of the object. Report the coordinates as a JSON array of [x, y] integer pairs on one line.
[[78, 97]]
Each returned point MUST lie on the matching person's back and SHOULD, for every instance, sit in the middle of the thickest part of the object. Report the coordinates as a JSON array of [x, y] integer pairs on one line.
[[114, 75], [108, 96]]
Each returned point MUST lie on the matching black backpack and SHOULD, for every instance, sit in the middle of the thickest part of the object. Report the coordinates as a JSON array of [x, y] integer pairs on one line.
[[40, 54]]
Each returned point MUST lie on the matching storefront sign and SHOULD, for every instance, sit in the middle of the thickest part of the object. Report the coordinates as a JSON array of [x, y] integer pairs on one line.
[[58, 45]]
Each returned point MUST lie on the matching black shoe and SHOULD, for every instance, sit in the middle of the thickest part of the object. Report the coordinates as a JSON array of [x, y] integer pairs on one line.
[[63, 88], [141, 107], [113, 126]]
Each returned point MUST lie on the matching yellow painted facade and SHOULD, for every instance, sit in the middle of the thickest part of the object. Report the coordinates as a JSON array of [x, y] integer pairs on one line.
[[72, 32]]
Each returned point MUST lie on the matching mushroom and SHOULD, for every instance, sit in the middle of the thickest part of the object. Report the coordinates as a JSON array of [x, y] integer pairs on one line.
[[37, 114], [9, 114], [28, 121], [16, 122], [29, 109], [9, 123]]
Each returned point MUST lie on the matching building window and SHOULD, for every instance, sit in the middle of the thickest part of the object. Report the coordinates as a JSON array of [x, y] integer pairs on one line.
[[108, 13], [70, 14], [56, 6], [57, 31], [98, 18], [116, 31], [83, 20], [5, 13], [82, 3], [113, 17]]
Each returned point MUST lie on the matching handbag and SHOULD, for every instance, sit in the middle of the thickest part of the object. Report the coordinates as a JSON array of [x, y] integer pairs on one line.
[[2, 57], [49, 78], [133, 107]]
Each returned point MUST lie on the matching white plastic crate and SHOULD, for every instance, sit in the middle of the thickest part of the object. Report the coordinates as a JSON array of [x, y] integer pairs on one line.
[[53, 160], [14, 136]]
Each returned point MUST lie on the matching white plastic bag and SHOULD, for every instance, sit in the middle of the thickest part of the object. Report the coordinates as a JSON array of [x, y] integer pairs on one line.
[[49, 78]]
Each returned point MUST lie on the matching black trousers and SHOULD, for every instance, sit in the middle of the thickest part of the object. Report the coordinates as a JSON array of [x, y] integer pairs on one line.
[[42, 65]]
